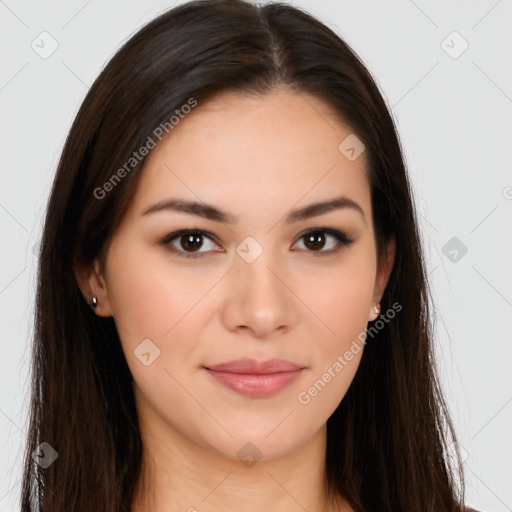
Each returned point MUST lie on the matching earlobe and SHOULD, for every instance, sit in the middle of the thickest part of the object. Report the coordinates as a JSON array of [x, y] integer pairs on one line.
[[92, 284], [374, 312], [94, 302]]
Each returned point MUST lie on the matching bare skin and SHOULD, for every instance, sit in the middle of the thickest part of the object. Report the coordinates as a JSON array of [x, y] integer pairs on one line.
[[258, 159]]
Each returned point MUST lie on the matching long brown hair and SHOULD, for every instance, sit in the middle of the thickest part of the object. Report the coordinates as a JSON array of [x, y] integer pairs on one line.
[[387, 440]]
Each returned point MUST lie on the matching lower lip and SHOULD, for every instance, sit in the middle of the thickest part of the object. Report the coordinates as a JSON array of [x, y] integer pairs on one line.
[[256, 385]]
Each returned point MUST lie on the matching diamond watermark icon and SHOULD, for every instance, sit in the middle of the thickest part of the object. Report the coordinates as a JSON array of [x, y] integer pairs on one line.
[[249, 249], [454, 45], [351, 147], [249, 454], [454, 249], [146, 352], [44, 455], [44, 45]]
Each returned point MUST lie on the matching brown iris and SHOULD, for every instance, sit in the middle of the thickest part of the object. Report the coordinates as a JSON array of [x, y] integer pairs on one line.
[[191, 242], [315, 240]]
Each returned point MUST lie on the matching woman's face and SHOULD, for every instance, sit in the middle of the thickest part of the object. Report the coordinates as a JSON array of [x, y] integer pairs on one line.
[[256, 284]]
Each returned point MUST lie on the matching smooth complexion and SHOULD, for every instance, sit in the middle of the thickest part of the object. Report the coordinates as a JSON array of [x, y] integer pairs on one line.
[[258, 159]]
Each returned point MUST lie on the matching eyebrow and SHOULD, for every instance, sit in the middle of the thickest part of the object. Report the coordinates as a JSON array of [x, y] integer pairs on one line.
[[213, 213]]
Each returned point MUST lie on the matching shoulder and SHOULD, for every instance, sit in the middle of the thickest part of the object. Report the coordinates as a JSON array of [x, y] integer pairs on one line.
[[469, 509]]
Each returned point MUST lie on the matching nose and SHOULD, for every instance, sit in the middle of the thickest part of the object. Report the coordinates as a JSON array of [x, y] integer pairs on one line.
[[260, 299]]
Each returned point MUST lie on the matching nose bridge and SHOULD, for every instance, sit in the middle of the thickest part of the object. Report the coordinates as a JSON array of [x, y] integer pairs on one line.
[[259, 300], [259, 279]]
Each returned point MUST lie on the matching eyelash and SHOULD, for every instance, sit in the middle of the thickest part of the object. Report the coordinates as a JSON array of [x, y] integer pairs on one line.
[[342, 239]]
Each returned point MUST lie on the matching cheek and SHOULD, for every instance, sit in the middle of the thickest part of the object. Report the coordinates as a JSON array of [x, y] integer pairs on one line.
[[341, 297], [149, 294]]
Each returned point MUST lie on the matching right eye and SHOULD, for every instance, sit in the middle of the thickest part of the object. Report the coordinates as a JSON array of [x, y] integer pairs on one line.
[[187, 243]]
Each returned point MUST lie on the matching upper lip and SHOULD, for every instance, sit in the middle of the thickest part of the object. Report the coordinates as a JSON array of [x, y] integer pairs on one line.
[[248, 365]]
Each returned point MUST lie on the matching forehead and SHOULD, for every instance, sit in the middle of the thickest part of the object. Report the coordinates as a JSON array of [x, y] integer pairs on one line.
[[257, 151]]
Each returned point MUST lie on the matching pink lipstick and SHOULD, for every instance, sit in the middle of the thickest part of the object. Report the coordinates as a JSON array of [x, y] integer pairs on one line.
[[256, 379]]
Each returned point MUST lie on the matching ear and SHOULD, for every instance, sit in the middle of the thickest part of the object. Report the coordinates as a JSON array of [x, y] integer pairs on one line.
[[383, 272], [91, 282]]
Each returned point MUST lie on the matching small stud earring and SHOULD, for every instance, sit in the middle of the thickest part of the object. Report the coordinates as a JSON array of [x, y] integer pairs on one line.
[[94, 302], [376, 308]]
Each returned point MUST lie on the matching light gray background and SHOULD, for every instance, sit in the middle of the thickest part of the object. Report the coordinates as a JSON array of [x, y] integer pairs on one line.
[[454, 116]]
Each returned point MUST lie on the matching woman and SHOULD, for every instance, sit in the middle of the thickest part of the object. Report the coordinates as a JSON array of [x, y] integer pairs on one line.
[[232, 308]]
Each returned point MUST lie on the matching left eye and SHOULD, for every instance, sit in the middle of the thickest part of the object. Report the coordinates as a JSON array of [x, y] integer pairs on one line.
[[318, 239]]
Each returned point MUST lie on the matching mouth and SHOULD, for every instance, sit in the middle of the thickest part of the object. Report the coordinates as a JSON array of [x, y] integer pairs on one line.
[[256, 379]]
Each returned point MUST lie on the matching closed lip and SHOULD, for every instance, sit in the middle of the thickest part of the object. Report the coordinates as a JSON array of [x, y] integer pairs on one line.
[[247, 365]]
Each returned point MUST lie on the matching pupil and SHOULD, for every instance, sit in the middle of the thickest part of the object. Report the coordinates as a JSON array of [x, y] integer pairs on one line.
[[316, 240], [192, 242]]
